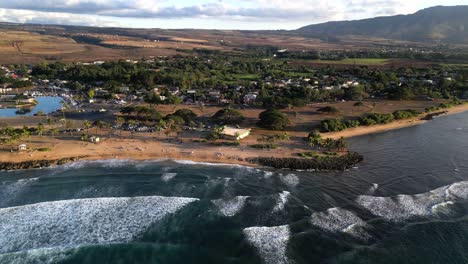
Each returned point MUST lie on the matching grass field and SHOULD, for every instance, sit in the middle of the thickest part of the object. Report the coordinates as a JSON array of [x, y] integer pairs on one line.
[[246, 77], [360, 61]]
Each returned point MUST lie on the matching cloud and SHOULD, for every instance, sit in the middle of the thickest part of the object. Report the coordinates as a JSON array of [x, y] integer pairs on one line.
[[258, 11], [34, 17], [227, 8]]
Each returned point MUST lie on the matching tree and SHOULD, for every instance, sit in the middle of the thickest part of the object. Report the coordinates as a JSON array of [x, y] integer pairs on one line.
[[40, 129], [186, 114], [314, 139], [87, 126], [91, 93], [228, 117], [119, 121], [273, 119]]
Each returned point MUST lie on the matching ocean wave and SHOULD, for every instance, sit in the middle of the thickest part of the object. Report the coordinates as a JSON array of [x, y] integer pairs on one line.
[[85, 221], [168, 176], [230, 207], [9, 191], [37, 256], [270, 242], [402, 207], [340, 220], [291, 180], [281, 201]]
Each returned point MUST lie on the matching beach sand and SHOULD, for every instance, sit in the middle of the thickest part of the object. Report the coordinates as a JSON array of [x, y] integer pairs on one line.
[[152, 147], [365, 130]]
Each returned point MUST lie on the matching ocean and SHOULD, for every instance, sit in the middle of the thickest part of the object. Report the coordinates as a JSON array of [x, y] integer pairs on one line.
[[406, 203]]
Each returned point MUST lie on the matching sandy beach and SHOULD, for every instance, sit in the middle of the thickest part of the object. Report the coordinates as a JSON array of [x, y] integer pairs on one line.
[[153, 147], [365, 130]]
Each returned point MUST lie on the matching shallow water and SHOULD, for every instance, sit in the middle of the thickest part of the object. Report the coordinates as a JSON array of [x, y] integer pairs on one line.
[[406, 203], [45, 104]]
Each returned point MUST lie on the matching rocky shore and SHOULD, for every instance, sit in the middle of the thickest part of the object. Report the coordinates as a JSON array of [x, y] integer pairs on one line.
[[35, 164], [323, 163]]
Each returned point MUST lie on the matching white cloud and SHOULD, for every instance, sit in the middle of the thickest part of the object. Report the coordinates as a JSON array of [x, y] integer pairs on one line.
[[35, 17], [277, 12]]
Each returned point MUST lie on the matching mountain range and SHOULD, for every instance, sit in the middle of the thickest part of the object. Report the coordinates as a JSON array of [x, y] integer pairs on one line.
[[446, 24]]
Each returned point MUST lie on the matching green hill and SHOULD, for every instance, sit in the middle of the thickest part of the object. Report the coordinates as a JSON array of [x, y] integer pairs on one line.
[[435, 24]]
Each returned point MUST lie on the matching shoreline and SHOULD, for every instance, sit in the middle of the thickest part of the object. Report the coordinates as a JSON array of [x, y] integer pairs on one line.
[[395, 125]]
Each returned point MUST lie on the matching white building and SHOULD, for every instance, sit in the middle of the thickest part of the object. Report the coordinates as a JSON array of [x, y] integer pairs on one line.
[[235, 133]]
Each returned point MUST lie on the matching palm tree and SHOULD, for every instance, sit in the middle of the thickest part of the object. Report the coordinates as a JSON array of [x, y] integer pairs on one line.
[[119, 121], [69, 126], [87, 126], [40, 129]]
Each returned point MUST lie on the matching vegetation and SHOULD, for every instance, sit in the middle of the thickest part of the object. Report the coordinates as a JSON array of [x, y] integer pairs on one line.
[[228, 117], [273, 119], [264, 146]]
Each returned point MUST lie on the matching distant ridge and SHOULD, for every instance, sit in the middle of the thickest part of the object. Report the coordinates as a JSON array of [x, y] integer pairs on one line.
[[446, 24]]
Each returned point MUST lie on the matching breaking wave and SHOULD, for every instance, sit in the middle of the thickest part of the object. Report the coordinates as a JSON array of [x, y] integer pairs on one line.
[[281, 201], [402, 207], [291, 180], [270, 242], [166, 177], [9, 191], [340, 220], [230, 207], [85, 221], [36, 256]]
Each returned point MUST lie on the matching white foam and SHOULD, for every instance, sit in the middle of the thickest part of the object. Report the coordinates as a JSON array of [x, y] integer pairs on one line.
[[271, 242], [36, 256], [290, 180], [190, 162], [166, 177], [340, 220], [230, 207], [85, 221], [402, 207], [281, 201], [9, 191], [373, 188], [267, 174]]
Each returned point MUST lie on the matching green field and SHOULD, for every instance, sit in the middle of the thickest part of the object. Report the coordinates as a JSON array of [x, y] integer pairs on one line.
[[246, 77], [360, 61]]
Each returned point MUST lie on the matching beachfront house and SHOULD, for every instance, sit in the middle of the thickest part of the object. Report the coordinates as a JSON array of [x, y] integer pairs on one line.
[[233, 133], [22, 147], [94, 139]]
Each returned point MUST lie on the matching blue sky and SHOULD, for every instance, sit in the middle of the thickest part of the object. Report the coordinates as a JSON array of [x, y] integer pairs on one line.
[[207, 14]]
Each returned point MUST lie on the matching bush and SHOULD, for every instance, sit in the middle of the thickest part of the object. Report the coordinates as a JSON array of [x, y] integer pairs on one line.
[[228, 117], [352, 123], [332, 125], [227, 143], [328, 109], [376, 119], [273, 119], [186, 114], [405, 114], [264, 146], [44, 149]]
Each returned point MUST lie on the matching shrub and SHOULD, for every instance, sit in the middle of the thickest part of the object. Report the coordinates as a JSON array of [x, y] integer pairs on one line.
[[376, 119], [273, 119], [264, 146], [186, 114], [332, 125], [328, 109], [228, 117], [405, 114]]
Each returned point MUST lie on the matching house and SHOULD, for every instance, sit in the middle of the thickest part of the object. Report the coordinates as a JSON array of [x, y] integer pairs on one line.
[[22, 147], [233, 133], [94, 139]]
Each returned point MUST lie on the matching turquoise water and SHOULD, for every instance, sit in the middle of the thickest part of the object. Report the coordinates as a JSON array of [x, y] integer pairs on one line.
[[406, 203], [45, 104]]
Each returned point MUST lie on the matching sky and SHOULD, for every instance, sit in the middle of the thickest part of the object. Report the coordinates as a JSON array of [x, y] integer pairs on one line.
[[205, 14]]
